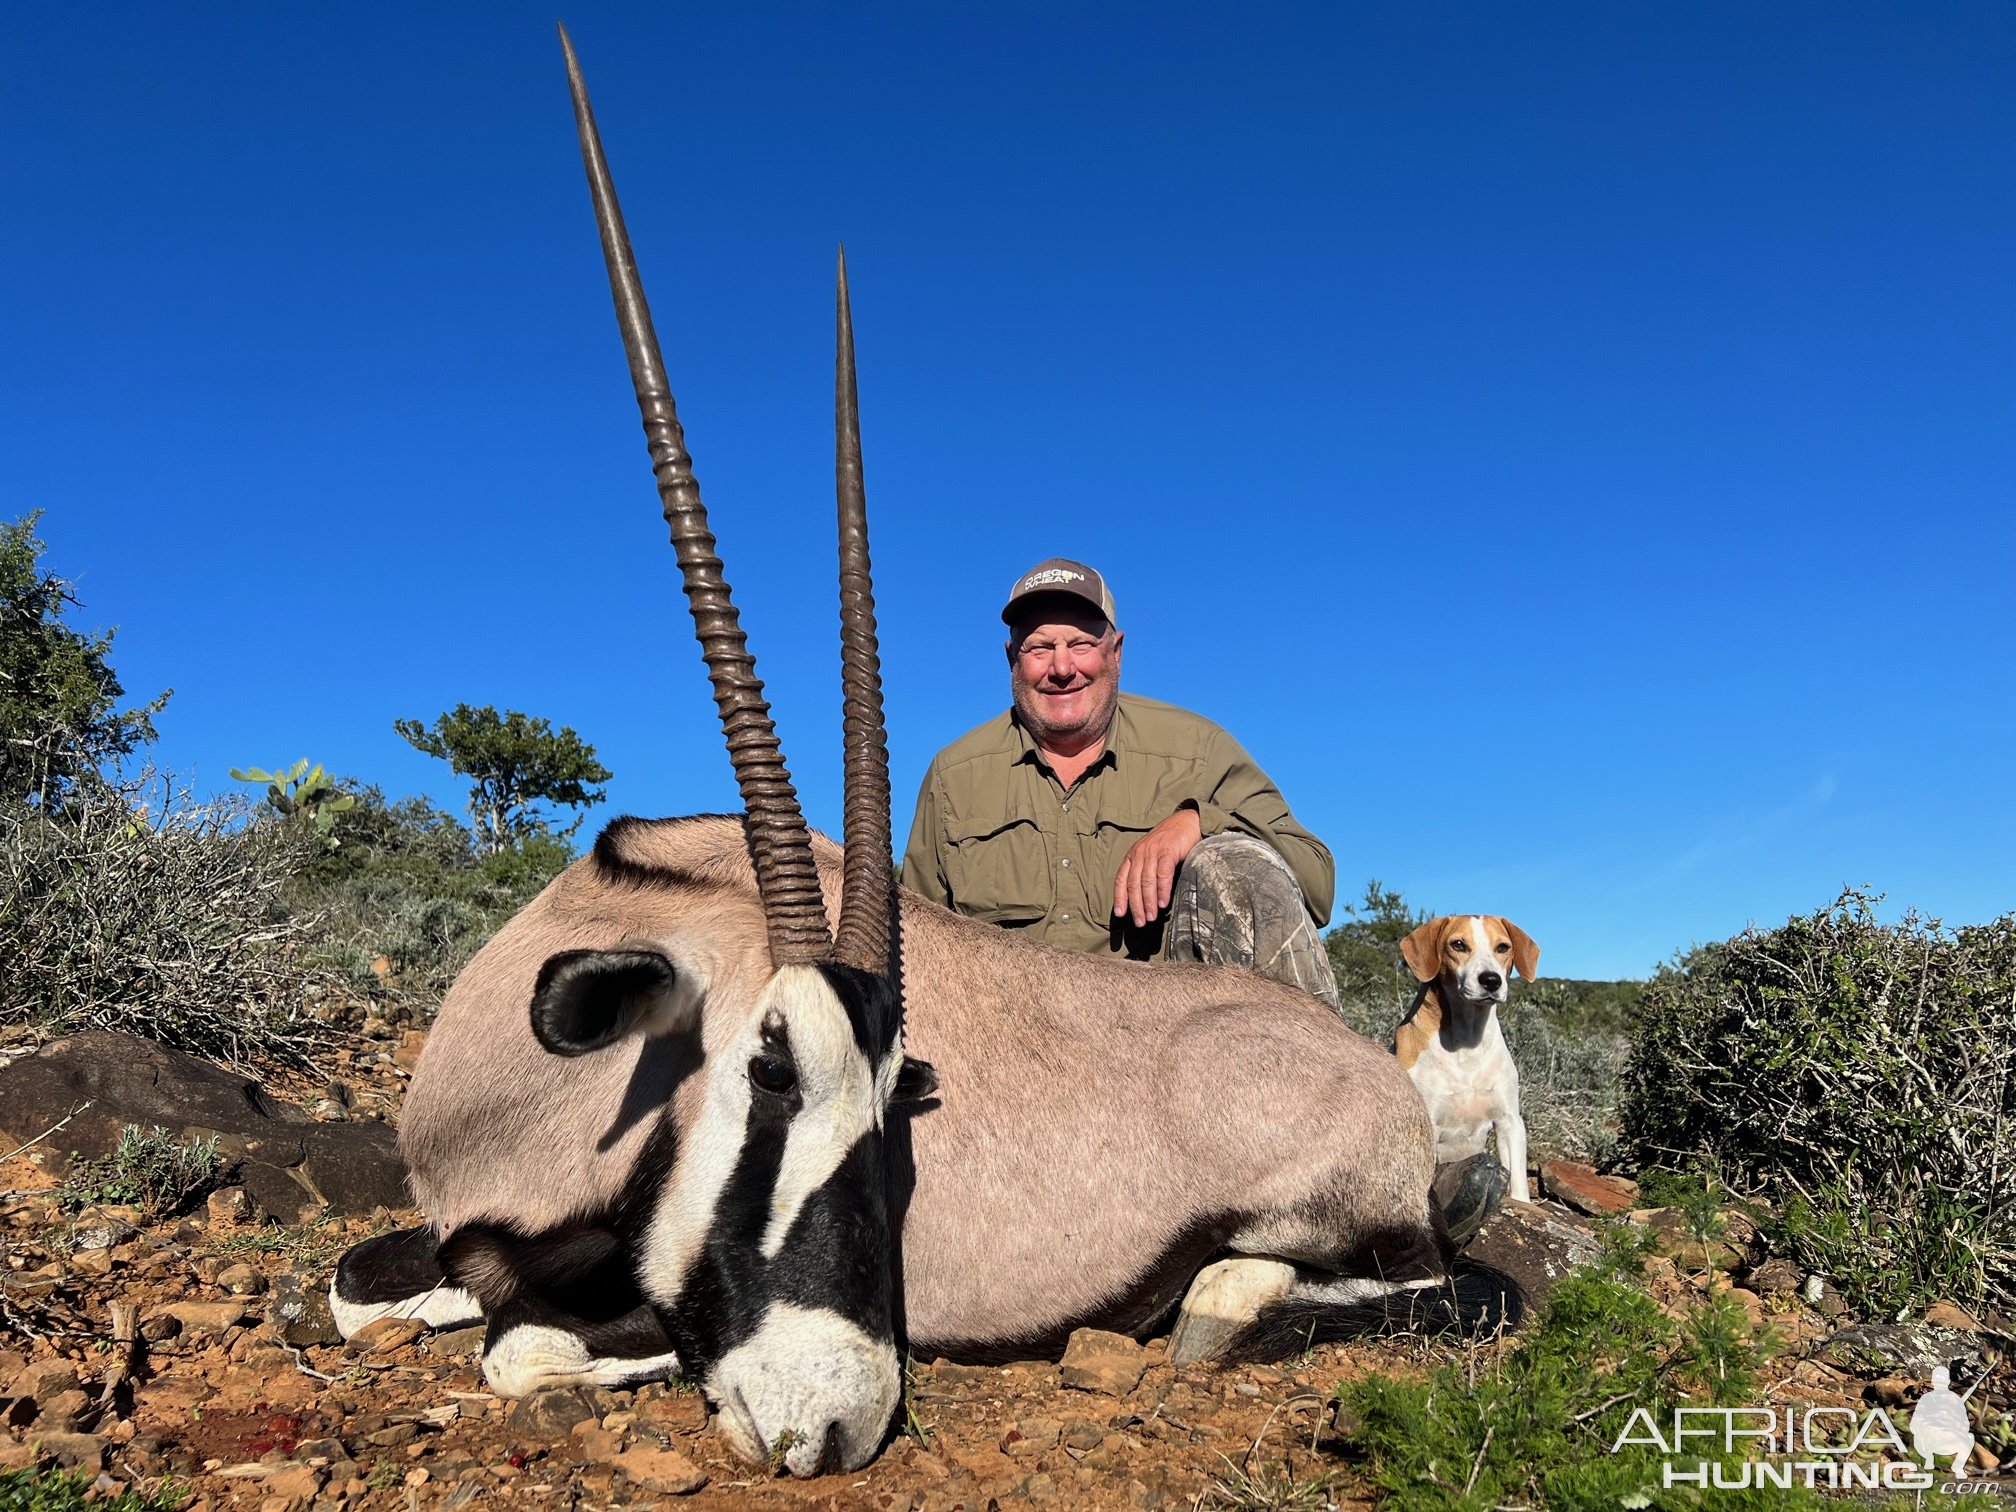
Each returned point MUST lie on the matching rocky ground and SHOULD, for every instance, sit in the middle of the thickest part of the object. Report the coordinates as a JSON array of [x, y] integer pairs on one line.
[[199, 1347]]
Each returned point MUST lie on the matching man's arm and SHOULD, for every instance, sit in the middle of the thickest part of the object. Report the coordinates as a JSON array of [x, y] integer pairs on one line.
[[923, 863], [1245, 799]]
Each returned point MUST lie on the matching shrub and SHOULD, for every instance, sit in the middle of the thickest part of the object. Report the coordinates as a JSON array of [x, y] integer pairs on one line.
[[1535, 1425], [1862, 1077], [138, 909], [152, 1171], [72, 1491]]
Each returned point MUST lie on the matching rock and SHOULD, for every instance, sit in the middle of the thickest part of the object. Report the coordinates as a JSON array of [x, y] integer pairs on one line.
[[160, 1328], [1095, 1360], [45, 1380], [1952, 1315], [99, 1228], [74, 1451], [673, 1411], [666, 1472], [458, 1343], [1583, 1189], [205, 1319], [1035, 1435], [384, 1336], [65, 1412], [280, 1156], [241, 1280], [1893, 1393], [549, 1414], [293, 1486], [1533, 1248], [411, 1043], [330, 1449], [232, 1206], [1776, 1278], [298, 1314], [1914, 1348]]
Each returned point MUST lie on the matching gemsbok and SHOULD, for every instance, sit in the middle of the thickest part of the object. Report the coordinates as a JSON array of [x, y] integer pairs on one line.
[[666, 1116]]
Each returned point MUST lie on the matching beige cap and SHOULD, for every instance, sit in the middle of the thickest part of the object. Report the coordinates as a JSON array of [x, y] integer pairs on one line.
[[1061, 575]]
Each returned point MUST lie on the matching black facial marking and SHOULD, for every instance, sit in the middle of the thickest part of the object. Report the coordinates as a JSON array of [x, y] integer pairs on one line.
[[584, 1000], [874, 1011]]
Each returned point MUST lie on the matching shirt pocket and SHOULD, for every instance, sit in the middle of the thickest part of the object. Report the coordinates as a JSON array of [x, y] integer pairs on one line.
[[998, 868]]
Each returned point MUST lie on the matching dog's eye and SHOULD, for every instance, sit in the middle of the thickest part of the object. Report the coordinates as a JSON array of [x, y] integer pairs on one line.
[[1459, 946], [773, 1075], [1504, 949]]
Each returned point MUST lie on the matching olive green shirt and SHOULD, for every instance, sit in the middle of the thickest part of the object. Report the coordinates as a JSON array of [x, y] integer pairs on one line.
[[998, 837]]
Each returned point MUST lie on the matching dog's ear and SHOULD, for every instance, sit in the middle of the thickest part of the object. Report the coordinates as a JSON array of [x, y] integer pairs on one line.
[[1422, 950], [1525, 954]]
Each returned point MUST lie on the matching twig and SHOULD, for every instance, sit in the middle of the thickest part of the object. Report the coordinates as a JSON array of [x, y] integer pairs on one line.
[[1477, 1464], [302, 1365], [53, 1128], [125, 1358]]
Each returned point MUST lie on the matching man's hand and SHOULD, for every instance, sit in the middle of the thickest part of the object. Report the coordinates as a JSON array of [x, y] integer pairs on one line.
[[1148, 875]]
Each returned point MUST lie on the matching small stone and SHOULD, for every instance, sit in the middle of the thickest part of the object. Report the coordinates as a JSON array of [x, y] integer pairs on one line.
[[1583, 1189], [65, 1412], [330, 1449], [666, 1472], [673, 1412], [231, 1206], [241, 1280], [74, 1451], [294, 1485], [1040, 1488], [205, 1319], [45, 1380], [458, 1343], [549, 1414], [96, 1263], [1036, 1435], [298, 1314], [1082, 1434], [1095, 1360], [385, 1335], [1775, 1278], [594, 1441]]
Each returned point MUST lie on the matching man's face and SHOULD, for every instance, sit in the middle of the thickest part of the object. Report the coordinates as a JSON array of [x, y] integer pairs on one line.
[[1064, 668]]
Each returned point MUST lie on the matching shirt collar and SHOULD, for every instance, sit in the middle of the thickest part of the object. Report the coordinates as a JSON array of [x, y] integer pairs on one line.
[[1109, 757]]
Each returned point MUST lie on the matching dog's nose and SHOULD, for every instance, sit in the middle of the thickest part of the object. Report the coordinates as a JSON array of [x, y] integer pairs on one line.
[[1492, 980]]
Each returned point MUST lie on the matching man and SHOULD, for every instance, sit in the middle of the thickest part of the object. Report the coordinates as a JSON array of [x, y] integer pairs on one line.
[[1099, 821]]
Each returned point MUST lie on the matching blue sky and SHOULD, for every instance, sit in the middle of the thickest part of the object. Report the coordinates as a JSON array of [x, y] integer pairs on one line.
[[1571, 446]]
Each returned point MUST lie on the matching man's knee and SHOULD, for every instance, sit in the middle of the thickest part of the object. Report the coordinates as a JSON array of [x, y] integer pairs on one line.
[[1239, 869]]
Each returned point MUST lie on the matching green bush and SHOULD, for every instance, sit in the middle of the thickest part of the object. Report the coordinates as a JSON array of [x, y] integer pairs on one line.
[[70, 1491], [1533, 1426], [149, 1170], [1860, 1077]]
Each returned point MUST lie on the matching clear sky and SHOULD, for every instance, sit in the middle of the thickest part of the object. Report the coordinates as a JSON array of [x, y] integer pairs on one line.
[[1571, 446]]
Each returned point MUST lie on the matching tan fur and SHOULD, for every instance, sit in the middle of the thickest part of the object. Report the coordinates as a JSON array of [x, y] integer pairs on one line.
[[1094, 1115]]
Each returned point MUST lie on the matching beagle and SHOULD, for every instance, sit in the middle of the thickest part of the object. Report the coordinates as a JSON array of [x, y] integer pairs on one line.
[[1451, 1044]]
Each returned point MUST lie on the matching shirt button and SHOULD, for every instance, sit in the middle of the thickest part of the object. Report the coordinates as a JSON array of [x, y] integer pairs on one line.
[[1065, 862], [1064, 919]]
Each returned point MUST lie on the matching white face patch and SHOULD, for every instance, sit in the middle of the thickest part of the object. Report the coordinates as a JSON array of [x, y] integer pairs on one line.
[[840, 1104], [441, 1307], [806, 1372], [1480, 958], [533, 1355]]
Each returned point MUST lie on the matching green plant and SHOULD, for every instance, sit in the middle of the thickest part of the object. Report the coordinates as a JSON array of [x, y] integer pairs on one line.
[[1267, 1487], [71, 1491], [149, 1170], [785, 1442], [301, 792], [1536, 1425], [1860, 1077]]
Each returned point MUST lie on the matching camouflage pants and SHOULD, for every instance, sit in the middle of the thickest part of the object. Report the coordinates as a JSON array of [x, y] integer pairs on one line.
[[1236, 903]]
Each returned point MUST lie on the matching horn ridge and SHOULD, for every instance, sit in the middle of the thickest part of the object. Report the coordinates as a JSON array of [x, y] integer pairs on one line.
[[780, 846], [867, 893]]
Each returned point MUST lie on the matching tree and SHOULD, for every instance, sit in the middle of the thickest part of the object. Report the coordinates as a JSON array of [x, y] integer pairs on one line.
[[1373, 982], [59, 715], [513, 762]]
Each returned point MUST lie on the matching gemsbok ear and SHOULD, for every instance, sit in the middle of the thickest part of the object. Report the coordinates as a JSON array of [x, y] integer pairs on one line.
[[586, 1000], [1525, 954], [1422, 951], [915, 1082]]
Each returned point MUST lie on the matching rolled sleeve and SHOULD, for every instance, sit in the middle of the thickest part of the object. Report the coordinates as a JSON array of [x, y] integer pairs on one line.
[[1246, 800], [923, 861]]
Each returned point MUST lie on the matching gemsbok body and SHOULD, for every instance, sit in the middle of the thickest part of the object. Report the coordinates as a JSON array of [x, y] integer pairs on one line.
[[682, 1107]]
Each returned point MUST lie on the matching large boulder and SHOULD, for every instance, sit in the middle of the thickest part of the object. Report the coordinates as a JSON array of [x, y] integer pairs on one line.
[[281, 1156]]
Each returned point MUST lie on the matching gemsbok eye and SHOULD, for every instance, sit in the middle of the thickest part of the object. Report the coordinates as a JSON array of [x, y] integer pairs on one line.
[[773, 1075]]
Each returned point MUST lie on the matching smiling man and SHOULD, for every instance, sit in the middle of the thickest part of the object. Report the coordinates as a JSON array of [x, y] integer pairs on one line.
[[1099, 821]]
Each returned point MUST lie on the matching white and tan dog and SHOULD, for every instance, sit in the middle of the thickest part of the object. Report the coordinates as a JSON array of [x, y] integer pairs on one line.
[[1451, 1043]]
